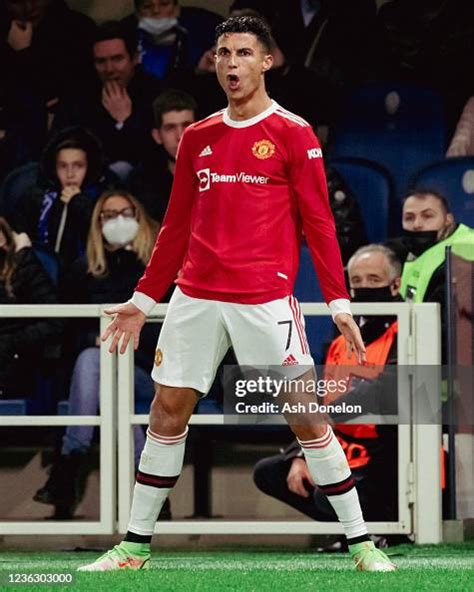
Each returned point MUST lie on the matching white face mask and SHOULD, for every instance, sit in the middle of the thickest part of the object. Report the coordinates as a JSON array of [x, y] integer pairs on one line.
[[120, 231], [157, 26]]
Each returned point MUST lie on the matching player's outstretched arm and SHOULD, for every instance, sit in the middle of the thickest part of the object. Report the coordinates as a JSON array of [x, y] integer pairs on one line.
[[349, 329], [127, 323]]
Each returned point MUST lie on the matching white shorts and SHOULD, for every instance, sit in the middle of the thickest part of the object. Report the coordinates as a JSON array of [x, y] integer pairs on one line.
[[196, 335]]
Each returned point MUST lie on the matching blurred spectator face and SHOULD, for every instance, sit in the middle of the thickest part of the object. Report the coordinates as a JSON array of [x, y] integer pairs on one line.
[[426, 212], [372, 270], [172, 128], [157, 9], [71, 167], [240, 61], [113, 62], [25, 11]]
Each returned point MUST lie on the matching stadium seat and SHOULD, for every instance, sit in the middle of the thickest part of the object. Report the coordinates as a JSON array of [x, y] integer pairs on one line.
[[13, 407], [15, 184], [319, 330], [454, 178], [400, 126], [373, 188]]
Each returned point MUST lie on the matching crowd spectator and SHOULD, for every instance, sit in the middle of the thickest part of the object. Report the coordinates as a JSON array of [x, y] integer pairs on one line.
[[428, 227], [117, 103], [152, 180], [427, 43], [56, 213], [371, 450], [171, 36], [118, 247], [462, 143], [333, 38], [23, 341], [44, 48]]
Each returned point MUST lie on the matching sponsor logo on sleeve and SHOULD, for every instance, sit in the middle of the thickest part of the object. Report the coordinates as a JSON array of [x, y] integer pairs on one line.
[[315, 153]]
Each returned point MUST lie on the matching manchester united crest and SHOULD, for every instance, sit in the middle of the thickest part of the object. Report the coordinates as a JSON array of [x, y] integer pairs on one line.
[[158, 357], [263, 149]]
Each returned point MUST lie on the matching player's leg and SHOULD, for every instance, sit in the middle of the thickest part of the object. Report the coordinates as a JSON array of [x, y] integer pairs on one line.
[[330, 470], [273, 334], [191, 345], [160, 466], [161, 461], [192, 342]]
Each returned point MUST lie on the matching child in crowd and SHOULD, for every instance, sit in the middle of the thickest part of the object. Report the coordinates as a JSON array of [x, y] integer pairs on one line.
[[56, 213]]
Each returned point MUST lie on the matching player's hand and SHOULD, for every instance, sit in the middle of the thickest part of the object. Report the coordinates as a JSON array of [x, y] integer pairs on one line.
[[297, 476], [69, 192], [20, 35], [116, 100], [127, 323], [349, 329]]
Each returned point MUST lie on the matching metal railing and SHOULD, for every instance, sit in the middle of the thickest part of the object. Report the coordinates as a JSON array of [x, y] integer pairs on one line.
[[419, 493]]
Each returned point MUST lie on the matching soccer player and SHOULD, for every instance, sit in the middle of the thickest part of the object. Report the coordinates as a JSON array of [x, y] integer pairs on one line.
[[248, 180]]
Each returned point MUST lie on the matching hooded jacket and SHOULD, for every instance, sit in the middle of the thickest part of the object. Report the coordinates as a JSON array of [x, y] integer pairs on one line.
[[40, 212]]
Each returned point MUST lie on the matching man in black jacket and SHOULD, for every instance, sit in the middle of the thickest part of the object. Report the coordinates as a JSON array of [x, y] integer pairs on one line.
[[117, 104], [44, 49], [173, 111]]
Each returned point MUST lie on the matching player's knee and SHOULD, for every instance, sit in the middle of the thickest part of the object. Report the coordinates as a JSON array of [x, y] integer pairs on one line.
[[166, 417]]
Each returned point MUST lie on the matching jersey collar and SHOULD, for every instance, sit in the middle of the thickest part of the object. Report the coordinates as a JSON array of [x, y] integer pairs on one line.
[[253, 120]]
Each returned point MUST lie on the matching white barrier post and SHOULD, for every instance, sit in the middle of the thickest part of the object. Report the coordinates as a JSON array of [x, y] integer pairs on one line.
[[427, 505]]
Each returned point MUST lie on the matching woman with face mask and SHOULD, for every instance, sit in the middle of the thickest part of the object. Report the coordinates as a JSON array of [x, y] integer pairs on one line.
[[119, 245]]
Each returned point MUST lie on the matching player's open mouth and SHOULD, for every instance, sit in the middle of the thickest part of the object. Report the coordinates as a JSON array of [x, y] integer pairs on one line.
[[234, 81]]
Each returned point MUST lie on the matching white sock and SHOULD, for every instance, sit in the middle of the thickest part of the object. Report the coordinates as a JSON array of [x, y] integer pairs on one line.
[[161, 463], [330, 470]]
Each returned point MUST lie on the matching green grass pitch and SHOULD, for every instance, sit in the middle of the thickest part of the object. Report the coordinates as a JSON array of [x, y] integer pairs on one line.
[[243, 569]]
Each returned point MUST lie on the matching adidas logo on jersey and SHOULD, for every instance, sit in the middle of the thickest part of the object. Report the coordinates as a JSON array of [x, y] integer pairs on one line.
[[207, 151], [290, 361]]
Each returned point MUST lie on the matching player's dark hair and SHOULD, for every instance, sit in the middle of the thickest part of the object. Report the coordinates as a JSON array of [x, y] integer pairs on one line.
[[247, 24], [422, 192], [115, 30], [172, 100]]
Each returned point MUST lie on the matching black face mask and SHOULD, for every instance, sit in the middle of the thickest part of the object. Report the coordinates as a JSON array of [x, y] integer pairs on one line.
[[382, 294], [419, 242]]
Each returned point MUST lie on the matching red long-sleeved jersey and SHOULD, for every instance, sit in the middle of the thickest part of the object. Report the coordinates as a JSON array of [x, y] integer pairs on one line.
[[243, 192]]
